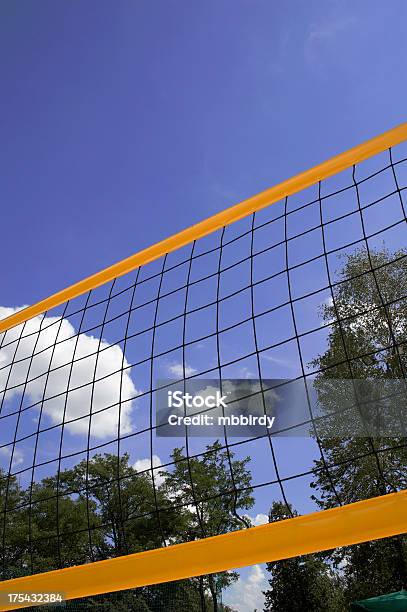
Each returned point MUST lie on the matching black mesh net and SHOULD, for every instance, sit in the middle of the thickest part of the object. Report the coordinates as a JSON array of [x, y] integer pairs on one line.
[[312, 288]]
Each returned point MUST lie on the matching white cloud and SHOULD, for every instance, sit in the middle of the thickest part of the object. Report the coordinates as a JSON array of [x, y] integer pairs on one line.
[[278, 360], [177, 369], [18, 456], [106, 392], [246, 595], [328, 303], [141, 465], [259, 519]]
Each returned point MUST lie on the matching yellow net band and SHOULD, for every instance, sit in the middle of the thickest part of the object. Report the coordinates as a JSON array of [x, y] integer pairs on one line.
[[293, 185], [379, 517]]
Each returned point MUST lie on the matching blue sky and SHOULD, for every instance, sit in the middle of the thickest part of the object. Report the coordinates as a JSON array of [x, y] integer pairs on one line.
[[125, 122]]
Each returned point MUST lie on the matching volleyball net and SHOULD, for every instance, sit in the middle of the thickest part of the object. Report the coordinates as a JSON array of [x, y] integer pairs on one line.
[[297, 292]]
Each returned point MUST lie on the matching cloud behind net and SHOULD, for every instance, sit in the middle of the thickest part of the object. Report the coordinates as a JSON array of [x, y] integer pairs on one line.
[[51, 359]]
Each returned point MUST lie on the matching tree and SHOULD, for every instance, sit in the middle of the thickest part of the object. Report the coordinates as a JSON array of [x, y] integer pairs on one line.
[[302, 583], [124, 519], [367, 340], [211, 489], [104, 508], [57, 521], [13, 528], [125, 505]]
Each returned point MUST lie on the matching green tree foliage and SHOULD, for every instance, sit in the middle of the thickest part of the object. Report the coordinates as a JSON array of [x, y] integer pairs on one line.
[[211, 498], [104, 508], [302, 583], [123, 506], [368, 342], [49, 516], [205, 487], [14, 531]]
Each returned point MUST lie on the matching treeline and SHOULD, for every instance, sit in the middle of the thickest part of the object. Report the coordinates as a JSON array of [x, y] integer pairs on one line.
[[104, 508], [366, 319]]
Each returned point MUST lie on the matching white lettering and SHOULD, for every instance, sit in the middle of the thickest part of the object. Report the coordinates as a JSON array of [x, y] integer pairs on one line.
[[176, 399]]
